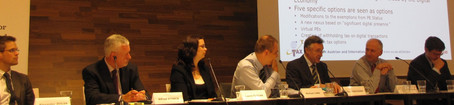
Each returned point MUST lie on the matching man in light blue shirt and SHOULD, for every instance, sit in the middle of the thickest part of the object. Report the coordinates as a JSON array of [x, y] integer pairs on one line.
[[261, 61]]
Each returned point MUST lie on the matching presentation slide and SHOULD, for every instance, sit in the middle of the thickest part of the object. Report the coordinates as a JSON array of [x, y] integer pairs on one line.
[[346, 25]]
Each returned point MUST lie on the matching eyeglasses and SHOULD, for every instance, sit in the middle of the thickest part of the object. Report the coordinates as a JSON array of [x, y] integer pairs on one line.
[[440, 53], [11, 50]]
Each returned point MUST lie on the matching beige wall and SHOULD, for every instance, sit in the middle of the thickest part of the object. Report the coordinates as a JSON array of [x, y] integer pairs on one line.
[[14, 21]]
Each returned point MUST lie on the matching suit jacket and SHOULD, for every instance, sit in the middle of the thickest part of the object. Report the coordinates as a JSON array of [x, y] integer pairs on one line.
[[298, 72], [99, 86], [22, 89], [422, 64], [182, 81]]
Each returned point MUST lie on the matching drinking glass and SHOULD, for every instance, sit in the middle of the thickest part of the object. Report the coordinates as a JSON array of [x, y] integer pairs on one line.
[[406, 86], [66, 93], [450, 85], [238, 88], [283, 93], [421, 86], [329, 89]]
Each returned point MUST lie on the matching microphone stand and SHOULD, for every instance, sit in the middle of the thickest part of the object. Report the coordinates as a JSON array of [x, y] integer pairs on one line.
[[420, 74], [118, 81], [217, 82], [343, 93], [293, 81]]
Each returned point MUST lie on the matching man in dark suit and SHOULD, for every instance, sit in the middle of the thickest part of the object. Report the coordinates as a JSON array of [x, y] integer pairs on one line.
[[308, 71], [431, 65], [12, 81], [101, 83]]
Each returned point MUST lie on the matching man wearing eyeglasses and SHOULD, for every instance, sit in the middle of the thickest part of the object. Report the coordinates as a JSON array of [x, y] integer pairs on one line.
[[15, 87], [308, 71], [431, 65]]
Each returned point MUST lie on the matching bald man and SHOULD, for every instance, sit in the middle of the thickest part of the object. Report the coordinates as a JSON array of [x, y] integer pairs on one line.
[[376, 70]]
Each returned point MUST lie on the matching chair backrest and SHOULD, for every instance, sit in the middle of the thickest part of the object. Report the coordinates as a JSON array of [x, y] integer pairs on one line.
[[226, 89], [83, 95], [168, 87], [36, 92]]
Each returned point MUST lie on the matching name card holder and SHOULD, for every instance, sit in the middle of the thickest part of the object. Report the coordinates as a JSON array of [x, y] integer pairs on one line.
[[168, 98], [253, 95], [404, 89], [53, 101], [312, 92], [355, 90]]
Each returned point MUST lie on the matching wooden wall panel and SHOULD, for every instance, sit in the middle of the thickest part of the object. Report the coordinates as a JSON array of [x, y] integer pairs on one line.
[[67, 35]]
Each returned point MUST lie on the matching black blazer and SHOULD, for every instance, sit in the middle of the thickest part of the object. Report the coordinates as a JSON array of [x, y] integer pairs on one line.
[[99, 86], [182, 81], [421, 63], [298, 73], [22, 89]]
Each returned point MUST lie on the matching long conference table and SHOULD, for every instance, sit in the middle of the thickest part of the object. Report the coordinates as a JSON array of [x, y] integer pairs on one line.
[[373, 99]]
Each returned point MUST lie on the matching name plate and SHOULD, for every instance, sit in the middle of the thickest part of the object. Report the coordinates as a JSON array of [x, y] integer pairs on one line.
[[312, 92], [253, 95], [53, 101], [402, 89], [355, 90], [167, 98]]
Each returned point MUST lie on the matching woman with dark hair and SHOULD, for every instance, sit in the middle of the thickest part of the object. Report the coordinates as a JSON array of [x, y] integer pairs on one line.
[[190, 75]]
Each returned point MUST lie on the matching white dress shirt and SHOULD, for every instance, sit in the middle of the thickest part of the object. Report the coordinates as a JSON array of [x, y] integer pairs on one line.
[[247, 74], [309, 64], [4, 94]]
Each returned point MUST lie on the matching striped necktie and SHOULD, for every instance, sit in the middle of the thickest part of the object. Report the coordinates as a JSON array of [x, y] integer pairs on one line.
[[315, 74], [263, 75]]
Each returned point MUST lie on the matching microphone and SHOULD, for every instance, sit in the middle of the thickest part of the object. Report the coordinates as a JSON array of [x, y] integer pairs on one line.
[[293, 81], [216, 81], [420, 74], [343, 93], [118, 79]]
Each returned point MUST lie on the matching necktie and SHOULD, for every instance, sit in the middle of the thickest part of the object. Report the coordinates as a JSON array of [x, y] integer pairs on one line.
[[115, 81], [315, 74], [10, 88], [263, 75], [372, 68]]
